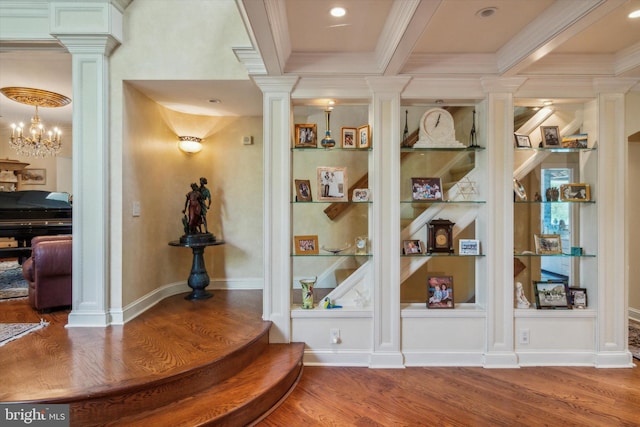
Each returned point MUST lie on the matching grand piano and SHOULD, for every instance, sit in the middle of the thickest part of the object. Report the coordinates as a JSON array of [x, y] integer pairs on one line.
[[26, 214]]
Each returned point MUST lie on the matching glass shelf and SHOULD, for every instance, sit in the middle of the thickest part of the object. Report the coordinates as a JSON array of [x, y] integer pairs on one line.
[[430, 202], [417, 150], [556, 150], [352, 150], [322, 202], [540, 202], [329, 254], [437, 254], [522, 254]]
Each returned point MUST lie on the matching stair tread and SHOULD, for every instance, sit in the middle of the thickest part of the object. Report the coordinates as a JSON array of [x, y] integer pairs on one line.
[[250, 393]]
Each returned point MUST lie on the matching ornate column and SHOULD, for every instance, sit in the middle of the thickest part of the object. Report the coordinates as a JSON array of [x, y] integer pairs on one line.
[[384, 180], [90, 31], [277, 125]]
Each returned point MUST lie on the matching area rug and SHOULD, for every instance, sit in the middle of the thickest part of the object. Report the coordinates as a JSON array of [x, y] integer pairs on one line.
[[13, 331], [12, 283], [634, 338]]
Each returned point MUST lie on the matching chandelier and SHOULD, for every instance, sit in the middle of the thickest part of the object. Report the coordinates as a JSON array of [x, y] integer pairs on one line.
[[36, 140]]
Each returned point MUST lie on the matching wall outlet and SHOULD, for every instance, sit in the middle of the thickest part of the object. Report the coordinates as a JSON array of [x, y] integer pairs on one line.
[[247, 140], [523, 336], [334, 336]]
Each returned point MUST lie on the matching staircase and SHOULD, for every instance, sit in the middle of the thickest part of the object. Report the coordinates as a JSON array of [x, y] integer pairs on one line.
[[236, 389]]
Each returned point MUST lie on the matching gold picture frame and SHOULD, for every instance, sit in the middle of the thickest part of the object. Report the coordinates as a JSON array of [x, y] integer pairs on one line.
[[333, 185], [364, 136], [349, 136], [548, 244], [550, 136], [575, 192], [303, 190], [306, 135], [306, 245]]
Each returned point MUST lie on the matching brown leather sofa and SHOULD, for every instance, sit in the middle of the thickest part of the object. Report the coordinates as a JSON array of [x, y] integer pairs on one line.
[[48, 272]]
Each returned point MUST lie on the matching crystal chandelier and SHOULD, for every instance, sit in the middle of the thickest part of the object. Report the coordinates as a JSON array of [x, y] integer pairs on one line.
[[35, 141]]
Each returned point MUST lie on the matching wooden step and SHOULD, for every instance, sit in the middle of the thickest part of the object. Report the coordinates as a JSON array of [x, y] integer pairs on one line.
[[240, 400]]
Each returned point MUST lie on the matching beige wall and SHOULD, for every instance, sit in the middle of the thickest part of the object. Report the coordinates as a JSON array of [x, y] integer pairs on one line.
[[146, 166], [632, 109], [157, 174]]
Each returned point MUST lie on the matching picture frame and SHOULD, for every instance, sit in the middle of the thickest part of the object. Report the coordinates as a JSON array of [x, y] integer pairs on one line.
[[33, 176], [306, 135], [552, 294], [360, 195], [426, 189], [575, 192], [348, 137], [364, 137], [332, 184], [548, 244], [522, 141], [579, 140], [412, 247], [550, 136], [303, 190], [306, 245], [578, 297], [519, 190], [440, 292], [469, 247]]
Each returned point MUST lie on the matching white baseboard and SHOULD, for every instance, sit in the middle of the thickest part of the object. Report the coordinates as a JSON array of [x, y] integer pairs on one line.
[[424, 358], [334, 358], [144, 303]]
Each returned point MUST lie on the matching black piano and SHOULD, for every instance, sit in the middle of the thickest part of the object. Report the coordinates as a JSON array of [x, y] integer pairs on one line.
[[26, 214]]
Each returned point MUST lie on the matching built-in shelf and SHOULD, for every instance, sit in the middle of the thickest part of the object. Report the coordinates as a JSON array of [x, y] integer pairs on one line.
[[556, 150], [331, 255], [521, 254], [351, 150], [540, 202], [440, 255], [417, 150], [431, 202]]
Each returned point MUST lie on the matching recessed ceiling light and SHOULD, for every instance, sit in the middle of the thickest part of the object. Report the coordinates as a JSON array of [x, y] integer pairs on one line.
[[635, 14], [338, 12], [487, 12]]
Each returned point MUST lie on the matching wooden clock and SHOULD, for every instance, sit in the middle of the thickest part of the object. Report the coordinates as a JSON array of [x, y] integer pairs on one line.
[[440, 236]]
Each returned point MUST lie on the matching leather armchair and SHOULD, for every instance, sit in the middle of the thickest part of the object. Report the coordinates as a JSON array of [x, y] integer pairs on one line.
[[48, 272]]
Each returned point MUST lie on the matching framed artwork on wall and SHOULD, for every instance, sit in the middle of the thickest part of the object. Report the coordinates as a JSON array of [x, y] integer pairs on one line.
[[34, 176]]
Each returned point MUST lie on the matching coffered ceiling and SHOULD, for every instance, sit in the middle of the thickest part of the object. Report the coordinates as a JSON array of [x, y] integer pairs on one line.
[[418, 38]]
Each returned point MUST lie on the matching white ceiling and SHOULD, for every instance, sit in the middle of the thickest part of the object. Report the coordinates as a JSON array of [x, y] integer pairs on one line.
[[589, 38]]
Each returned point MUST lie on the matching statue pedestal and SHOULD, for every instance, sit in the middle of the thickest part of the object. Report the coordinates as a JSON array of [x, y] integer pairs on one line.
[[198, 278]]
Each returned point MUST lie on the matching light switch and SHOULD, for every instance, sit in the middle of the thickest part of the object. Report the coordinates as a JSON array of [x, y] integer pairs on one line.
[[136, 208]]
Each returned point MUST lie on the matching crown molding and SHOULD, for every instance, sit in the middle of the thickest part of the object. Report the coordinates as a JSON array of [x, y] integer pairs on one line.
[[251, 59], [562, 20], [338, 87], [343, 63], [559, 64], [557, 87], [447, 88], [628, 61]]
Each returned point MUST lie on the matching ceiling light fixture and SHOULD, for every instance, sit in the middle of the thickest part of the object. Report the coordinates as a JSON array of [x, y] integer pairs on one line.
[[190, 144], [486, 12], [635, 14], [547, 103], [338, 12], [37, 142]]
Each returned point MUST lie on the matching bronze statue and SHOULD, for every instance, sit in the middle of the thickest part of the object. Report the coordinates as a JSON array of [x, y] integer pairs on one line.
[[205, 202], [192, 211]]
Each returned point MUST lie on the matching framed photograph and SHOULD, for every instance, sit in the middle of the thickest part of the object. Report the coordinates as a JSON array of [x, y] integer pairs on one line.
[[426, 189], [579, 192], [579, 140], [548, 244], [349, 137], [412, 247], [578, 297], [440, 292], [332, 184], [364, 137], [360, 195], [303, 190], [306, 245], [33, 176], [306, 135], [552, 294], [522, 141], [550, 136], [469, 247]]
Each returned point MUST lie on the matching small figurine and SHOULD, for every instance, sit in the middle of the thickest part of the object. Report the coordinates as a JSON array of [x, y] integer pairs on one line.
[[537, 197], [326, 303], [521, 299]]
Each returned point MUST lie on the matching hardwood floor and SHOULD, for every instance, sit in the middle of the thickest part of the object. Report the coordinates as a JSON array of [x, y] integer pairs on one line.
[[555, 396], [175, 334]]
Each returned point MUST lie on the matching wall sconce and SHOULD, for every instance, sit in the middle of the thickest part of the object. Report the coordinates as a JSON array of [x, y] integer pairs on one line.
[[190, 144]]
